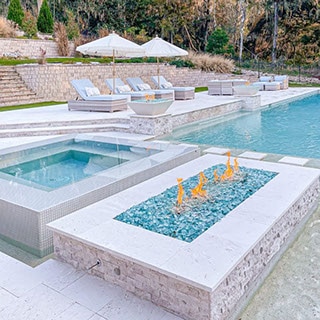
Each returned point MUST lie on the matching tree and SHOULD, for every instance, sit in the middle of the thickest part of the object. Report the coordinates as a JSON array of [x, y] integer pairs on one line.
[[29, 25], [45, 20], [243, 11], [15, 12], [218, 43], [275, 31]]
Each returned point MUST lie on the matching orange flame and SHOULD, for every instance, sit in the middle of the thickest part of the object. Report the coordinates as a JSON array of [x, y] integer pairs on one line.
[[198, 191], [228, 174], [236, 165], [216, 176], [180, 191]]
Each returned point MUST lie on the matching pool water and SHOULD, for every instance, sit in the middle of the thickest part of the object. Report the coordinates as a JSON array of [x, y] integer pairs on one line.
[[63, 168], [290, 128], [59, 164], [189, 220]]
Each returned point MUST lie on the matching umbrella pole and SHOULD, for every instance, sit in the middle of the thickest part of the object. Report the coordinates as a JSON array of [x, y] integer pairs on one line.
[[113, 73], [158, 71]]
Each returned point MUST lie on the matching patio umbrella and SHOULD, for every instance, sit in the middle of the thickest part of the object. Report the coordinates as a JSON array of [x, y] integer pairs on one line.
[[158, 47], [112, 46]]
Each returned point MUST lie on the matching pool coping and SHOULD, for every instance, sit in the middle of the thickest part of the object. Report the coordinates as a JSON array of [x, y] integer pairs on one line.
[[210, 272]]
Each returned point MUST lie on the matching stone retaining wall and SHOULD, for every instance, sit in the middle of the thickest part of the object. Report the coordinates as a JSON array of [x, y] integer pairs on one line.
[[53, 81], [30, 48]]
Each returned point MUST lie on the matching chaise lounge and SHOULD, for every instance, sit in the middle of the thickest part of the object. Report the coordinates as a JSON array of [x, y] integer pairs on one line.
[[123, 89], [92, 100], [138, 85], [180, 93]]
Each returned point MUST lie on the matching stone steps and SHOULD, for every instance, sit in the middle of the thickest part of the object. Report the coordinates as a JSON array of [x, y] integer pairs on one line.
[[40, 131], [13, 90]]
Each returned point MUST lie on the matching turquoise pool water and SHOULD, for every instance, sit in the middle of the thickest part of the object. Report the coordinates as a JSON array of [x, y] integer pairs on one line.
[[60, 164], [194, 216], [291, 129], [62, 168]]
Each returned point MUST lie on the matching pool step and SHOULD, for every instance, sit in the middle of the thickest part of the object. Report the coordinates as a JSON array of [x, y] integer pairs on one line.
[[19, 131]]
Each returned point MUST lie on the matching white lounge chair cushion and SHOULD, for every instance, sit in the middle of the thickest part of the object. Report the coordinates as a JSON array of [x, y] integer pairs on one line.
[[166, 85], [92, 91], [143, 86], [124, 88], [265, 79]]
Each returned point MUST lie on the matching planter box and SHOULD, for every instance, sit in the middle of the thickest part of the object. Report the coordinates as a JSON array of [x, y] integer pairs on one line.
[[245, 90]]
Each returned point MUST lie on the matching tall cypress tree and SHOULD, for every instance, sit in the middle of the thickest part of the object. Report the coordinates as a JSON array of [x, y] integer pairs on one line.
[[15, 12], [45, 20]]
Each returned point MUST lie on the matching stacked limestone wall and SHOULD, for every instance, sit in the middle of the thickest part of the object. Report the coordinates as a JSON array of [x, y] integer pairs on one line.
[[53, 81], [30, 48]]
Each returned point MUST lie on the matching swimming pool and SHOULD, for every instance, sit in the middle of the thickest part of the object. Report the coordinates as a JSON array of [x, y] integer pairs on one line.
[[46, 180], [289, 128]]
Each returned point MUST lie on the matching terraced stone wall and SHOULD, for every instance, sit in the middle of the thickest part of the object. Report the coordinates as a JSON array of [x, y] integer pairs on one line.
[[53, 81], [30, 48]]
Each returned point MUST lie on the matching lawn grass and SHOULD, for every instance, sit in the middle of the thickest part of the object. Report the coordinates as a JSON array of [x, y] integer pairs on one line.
[[300, 85], [73, 60], [201, 89], [31, 105]]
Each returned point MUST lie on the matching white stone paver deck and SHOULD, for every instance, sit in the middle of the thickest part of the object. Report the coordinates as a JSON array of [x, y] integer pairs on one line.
[[216, 150], [55, 290], [253, 155], [294, 160]]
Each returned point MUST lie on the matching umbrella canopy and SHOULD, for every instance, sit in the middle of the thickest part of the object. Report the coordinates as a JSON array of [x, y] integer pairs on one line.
[[112, 46], [158, 47]]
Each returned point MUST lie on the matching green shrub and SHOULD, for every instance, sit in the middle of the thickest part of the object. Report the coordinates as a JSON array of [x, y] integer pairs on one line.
[[182, 63], [29, 25], [15, 12], [72, 28], [45, 20]]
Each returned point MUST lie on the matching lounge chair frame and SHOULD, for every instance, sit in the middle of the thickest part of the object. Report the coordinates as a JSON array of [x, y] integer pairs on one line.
[[101, 103], [180, 93], [133, 95], [159, 94]]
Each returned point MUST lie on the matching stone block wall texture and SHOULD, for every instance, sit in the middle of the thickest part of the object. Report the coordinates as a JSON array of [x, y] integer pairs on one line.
[[31, 48], [53, 81], [187, 300]]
